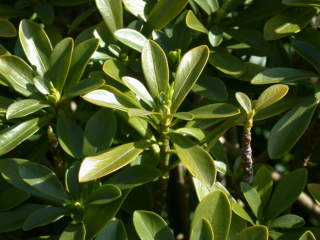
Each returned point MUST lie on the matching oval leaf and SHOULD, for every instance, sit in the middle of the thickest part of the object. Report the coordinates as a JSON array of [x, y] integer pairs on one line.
[[188, 72], [100, 165], [215, 110], [24, 108], [202, 231], [104, 194], [111, 11], [131, 38], [287, 221], [194, 23]]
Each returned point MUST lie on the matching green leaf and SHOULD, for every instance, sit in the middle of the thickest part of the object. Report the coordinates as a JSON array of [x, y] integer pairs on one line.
[[80, 58], [24, 108], [11, 197], [215, 110], [252, 197], [209, 6], [70, 136], [150, 226], [96, 136], [13, 220], [17, 73], [286, 192], [45, 12], [309, 51], [60, 61], [244, 101], [197, 133], [184, 116], [111, 11], [108, 99], [72, 184], [7, 29], [254, 233], [194, 23], [134, 176], [202, 231], [287, 131], [139, 89], [114, 230], [198, 161], [43, 180], [308, 235], [227, 63], [314, 189], [83, 87], [12, 136], [288, 221], [288, 22], [115, 69], [69, 3], [282, 75], [137, 7], [104, 194], [74, 231], [104, 163], [188, 72], [36, 45], [160, 16], [302, 3], [215, 36], [215, 207], [270, 96], [131, 38], [43, 216], [155, 68]]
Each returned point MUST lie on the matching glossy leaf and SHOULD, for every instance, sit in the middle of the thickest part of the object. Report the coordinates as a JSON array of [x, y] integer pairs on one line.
[[215, 36], [254, 233], [199, 162], [131, 38], [216, 208], [80, 58], [308, 235], [314, 189], [74, 231], [114, 230], [17, 73], [202, 231], [12, 136], [111, 11], [24, 108], [160, 16], [104, 163], [134, 176], [83, 87], [104, 194], [197, 133], [215, 110], [70, 136], [288, 22], [137, 7], [188, 72], [13, 220], [194, 23], [7, 29], [288, 221], [209, 6], [60, 61], [155, 68], [36, 45], [286, 192], [151, 226], [252, 197], [139, 89], [270, 96], [98, 137], [43, 216], [287, 131], [244, 101], [281, 75]]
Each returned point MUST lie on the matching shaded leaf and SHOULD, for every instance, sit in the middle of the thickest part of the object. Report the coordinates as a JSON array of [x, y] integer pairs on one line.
[[194, 23], [104, 194], [308, 235], [288, 221], [74, 231], [314, 189], [215, 110], [197, 133], [252, 197], [83, 87], [209, 6], [254, 233], [114, 230], [7, 29], [202, 231], [111, 11]]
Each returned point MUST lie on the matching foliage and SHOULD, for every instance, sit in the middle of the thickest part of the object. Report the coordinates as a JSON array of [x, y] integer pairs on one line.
[[152, 120]]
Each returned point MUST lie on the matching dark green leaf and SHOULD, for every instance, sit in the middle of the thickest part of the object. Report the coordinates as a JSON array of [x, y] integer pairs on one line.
[[11, 197], [74, 231], [114, 230], [308, 235], [215, 110], [111, 11], [252, 197], [286, 192], [198, 161], [254, 233], [215, 36], [151, 226], [7, 29], [43, 216], [288, 221], [188, 72], [104, 194], [73, 186], [302, 3], [287, 131], [83, 87], [314, 189], [209, 6]]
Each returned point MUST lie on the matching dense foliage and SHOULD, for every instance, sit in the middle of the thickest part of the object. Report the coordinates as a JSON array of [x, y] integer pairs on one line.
[[159, 119]]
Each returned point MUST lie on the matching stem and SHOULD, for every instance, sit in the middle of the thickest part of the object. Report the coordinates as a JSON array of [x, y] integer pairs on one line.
[[247, 152]]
